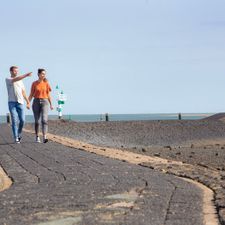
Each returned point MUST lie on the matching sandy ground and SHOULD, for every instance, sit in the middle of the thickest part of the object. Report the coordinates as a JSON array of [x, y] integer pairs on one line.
[[5, 181]]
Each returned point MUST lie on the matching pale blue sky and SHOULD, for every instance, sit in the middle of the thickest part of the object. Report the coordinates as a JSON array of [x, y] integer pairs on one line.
[[120, 56]]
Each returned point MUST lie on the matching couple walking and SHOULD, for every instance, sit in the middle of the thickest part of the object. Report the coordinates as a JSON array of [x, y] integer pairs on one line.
[[40, 91]]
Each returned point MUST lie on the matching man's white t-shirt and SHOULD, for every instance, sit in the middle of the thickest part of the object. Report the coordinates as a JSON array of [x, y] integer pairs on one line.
[[15, 90]]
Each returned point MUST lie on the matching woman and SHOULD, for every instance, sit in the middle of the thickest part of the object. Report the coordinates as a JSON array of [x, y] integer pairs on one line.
[[40, 91]]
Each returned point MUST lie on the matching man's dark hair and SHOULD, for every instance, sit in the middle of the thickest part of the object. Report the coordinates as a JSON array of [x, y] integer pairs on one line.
[[12, 68]]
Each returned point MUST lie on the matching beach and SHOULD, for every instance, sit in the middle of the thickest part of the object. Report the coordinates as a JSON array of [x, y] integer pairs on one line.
[[199, 146]]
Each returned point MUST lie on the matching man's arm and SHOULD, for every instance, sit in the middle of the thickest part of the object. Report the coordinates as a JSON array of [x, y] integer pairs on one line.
[[21, 77], [26, 99]]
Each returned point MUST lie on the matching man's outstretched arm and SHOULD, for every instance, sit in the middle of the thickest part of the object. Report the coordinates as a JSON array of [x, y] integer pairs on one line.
[[21, 77]]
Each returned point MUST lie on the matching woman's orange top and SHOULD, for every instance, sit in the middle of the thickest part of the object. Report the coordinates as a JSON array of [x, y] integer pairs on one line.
[[40, 89]]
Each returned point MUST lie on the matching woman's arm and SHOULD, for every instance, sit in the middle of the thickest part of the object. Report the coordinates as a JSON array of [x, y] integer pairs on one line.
[[30, 97], [49, 96], [31, 93], [50, 101]]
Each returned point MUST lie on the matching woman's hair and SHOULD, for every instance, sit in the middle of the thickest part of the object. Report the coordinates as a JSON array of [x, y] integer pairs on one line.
[[40, 71]]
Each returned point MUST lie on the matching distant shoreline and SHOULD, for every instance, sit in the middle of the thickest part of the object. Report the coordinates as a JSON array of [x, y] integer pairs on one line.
[[121, 117]]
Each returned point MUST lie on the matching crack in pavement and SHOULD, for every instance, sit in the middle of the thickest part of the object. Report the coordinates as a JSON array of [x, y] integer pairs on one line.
[[36, 178], [169, 202]]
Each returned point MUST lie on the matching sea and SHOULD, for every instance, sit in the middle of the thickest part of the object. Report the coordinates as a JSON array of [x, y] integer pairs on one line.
[[120, 117]]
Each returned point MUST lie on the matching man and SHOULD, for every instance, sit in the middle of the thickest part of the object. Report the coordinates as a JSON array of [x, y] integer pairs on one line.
[[16, 96]]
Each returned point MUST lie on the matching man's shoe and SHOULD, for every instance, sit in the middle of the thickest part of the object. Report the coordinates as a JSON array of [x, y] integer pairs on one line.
[[45, 140], [17, 141]]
